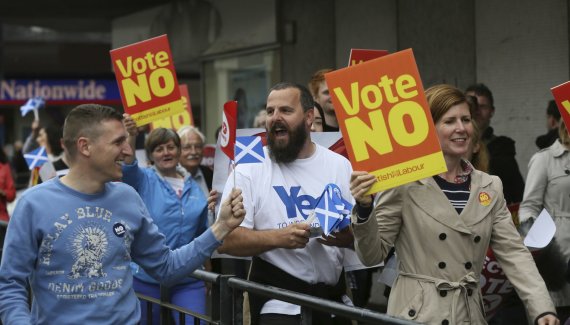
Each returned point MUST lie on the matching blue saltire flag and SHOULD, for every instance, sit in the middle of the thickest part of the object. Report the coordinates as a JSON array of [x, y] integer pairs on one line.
[[36, 158], [33, 103], [332, 210], [249, 150]]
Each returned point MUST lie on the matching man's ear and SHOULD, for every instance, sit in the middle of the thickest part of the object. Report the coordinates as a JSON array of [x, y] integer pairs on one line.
[[83, 146], [310, 116]]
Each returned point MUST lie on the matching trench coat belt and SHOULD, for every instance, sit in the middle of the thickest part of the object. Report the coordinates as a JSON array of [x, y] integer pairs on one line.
[[459, 288]]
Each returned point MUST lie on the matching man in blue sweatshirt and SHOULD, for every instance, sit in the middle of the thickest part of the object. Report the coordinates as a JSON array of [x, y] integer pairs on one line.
[[72, 239]]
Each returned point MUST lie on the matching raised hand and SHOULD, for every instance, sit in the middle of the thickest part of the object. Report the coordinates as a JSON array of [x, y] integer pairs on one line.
[[360, 183], [130, 125], [231, 215]]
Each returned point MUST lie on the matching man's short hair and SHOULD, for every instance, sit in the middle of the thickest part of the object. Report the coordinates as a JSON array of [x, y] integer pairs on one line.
[[316, 80], [307, 101], [191, 129], [552, 110], [482, 90], [84, 121]]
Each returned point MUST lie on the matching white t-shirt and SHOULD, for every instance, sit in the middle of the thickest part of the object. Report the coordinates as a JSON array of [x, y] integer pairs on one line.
[[276, 195], [177, 184]]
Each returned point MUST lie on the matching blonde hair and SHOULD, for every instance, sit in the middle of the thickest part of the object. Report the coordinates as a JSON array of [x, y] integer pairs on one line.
[[479, 159]]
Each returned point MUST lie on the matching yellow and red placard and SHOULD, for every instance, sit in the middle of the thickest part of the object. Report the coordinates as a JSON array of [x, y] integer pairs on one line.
[[147, 80], [385, 120], [358, 56], [179, 120], [562, 97]]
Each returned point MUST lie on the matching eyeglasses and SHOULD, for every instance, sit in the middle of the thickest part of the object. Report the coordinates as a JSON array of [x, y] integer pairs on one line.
[[193, 146]]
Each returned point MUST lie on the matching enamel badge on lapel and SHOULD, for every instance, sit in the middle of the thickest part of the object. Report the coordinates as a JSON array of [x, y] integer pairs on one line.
[[484, 199]]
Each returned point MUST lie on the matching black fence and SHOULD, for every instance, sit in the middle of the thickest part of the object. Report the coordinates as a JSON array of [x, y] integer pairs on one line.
[[227, 307]]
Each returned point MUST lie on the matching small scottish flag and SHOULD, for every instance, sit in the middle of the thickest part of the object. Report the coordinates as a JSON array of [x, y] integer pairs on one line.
[[249, 150], [332, 210], [32, 104], [36, 158]]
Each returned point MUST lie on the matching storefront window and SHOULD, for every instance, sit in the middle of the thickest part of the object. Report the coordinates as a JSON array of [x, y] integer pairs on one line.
[[245, 78]]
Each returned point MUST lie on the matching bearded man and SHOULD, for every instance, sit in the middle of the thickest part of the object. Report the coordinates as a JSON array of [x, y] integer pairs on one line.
[[279, 194]]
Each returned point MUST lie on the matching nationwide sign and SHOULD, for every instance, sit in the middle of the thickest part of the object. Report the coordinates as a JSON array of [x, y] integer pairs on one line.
[[60, 91]]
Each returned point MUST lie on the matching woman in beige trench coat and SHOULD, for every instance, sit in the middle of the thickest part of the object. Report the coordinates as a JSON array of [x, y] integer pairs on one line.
[[441, 250]]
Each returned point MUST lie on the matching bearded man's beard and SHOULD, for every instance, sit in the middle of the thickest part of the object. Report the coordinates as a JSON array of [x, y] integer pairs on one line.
[[289, 151]]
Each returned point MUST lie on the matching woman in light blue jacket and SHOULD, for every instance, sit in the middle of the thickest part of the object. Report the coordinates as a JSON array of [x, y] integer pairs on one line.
[[178, 207]]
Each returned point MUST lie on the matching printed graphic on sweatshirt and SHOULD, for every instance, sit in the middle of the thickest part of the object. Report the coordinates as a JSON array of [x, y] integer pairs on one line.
[[89, 247], [89, 236]]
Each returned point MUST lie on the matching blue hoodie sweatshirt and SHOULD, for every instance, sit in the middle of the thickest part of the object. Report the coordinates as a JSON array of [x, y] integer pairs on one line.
[[74, 250]]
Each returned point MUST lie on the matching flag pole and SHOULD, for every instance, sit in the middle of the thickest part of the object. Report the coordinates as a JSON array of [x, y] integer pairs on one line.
[[235, 166]]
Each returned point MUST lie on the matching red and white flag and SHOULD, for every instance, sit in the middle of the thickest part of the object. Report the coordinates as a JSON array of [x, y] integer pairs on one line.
[[229, 126]]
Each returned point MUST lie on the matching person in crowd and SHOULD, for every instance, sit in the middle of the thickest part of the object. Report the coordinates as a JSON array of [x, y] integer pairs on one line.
[[319, 124], [71, 239], [320, 91], [49, 137], [277, 195], [7, 194], [548, 187], [192, 152], [177, 205], [478, 154], [441, 227], [552, 123], [20, 167], [501, 149]]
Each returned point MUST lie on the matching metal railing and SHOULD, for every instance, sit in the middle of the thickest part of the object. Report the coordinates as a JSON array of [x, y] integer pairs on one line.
[[227, 288]]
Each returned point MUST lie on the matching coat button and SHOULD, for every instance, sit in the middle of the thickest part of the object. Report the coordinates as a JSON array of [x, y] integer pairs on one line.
[[412, 313], [477, 239], [441, 265], [469, 292], [468, 265], [445, 322], [442, 236], [443, 293]]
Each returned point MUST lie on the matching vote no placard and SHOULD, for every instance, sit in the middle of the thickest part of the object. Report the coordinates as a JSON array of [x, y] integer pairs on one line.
[[147, 80], [177, 121], [385, 120]]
